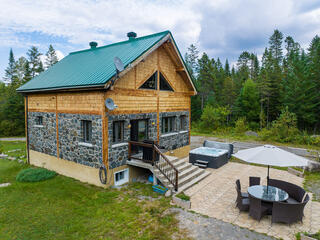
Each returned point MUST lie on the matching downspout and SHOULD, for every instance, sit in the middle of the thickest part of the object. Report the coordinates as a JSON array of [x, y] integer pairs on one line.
[[27, 131]]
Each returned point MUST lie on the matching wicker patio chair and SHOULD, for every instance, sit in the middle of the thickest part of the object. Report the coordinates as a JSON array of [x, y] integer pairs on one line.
[[288, 212], [257, 210], [254, 181], [243, 194], [242, 202]]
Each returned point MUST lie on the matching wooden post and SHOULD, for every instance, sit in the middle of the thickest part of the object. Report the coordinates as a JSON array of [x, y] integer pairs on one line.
[[129, 151]]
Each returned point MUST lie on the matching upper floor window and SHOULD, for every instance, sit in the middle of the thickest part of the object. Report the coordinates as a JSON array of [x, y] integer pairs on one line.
[[164, 85], [86, 127], [167, 124], [39, 120], [151, 83], [118, 131], [183, 123]]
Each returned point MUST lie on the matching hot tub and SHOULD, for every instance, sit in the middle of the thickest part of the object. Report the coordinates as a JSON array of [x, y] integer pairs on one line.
[[214, 157]]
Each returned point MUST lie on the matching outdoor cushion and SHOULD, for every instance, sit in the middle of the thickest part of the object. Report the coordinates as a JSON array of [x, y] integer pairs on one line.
[[292, 200], [244, 195], [245, 201]]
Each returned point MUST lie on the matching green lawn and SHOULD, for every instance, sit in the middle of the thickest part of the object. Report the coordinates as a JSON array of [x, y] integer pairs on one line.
[[19, 148], [63, 208], [244, 138]]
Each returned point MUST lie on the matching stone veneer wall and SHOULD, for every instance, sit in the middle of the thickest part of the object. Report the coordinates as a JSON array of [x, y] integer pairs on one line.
[[177, 138], [42, 138], [70, 139], [118, 153]]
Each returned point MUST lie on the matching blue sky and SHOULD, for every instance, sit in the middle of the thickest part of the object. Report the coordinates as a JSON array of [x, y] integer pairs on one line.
[[222, 28]]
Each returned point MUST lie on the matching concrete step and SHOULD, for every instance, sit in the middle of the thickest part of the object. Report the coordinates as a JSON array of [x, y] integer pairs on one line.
[[194, 181], [202, 162], [194, 174], [182, 174], [200, 165]]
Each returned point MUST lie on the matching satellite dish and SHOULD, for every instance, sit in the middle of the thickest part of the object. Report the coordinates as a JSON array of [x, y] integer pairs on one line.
[[110, 104], [119, 64]]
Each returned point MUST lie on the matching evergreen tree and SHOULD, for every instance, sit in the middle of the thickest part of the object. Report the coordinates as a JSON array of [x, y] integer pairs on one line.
[[51, 57], [227, 68], [10, 72], [35, 63]]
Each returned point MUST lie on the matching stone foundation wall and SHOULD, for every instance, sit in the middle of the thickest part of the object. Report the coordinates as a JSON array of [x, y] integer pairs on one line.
[[71, 146], [118, 152], [42, 138]]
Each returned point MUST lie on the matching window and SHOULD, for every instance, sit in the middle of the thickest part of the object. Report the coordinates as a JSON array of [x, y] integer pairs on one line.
[[151, 83], [183, 123], [118, 131], [121, 177], [164, 85], [86, 127], [167, 124], [39, 120]]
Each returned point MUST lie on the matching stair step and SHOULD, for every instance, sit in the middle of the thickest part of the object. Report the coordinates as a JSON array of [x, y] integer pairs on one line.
[[193, 182], [201, 165], [182, 174], [202, 162], [190, 177]]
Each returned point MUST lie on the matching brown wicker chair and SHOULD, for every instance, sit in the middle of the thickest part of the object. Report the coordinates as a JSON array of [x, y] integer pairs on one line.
[[254, 181], [288, 212], [257, 209], [242, 202], [243, 194]]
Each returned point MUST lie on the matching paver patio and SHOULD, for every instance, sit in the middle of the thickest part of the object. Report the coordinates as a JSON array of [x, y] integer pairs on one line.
[[215, 196]]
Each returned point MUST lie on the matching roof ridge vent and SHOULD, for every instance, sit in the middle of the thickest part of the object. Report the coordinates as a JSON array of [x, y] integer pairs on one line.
[[131, 35], [93, 45]]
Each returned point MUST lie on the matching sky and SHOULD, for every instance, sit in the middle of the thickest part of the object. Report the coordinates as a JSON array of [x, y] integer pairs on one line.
[[221, 28]]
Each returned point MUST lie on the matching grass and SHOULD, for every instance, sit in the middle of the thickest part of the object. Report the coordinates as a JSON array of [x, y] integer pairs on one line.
[[183, 196], [312, 184], [315, 236], [63, 208], [20, 146], [244, 138]]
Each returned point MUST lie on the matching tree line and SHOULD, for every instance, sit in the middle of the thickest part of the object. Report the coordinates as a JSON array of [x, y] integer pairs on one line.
[[17, 73], [285, 80]]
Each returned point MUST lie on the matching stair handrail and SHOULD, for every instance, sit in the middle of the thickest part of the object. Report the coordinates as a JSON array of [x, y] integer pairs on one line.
[[174, 183]]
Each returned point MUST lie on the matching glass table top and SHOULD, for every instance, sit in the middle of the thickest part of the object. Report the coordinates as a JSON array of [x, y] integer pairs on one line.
[[272, 195]]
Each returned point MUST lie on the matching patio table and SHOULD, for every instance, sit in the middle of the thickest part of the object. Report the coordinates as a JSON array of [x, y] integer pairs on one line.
[[268, 194]]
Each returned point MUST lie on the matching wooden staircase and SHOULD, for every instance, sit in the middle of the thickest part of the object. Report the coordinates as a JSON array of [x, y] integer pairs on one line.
[[188, 174]]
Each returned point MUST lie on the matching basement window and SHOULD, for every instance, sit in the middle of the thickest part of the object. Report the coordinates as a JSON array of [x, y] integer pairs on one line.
[[39, 120], [86, 127], [151, 83], [118, 131], [167, 124], [121, 177]]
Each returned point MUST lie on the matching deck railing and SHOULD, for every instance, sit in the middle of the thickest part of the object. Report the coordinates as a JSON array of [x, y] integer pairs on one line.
[[153, 155]]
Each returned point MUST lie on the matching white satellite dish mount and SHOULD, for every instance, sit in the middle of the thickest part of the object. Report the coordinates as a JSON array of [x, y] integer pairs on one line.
[[118, 64], [110, 104]]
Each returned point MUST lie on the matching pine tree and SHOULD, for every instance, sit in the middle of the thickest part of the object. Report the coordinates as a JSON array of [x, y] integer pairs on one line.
[[51, 57], [35, 63], [10, 72], [227, 68]]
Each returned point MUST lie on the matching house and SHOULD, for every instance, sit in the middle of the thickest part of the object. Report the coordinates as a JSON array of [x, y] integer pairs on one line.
[[70, 130]]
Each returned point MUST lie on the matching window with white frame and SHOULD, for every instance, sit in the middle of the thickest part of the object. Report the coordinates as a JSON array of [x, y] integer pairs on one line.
[[121, 177]]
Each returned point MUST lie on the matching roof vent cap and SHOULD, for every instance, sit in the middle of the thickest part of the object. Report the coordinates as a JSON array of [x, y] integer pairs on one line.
[[93, 45], [131, 35]]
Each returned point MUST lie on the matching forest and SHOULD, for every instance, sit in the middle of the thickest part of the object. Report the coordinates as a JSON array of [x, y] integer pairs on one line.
[[277, 96], [18, 72]]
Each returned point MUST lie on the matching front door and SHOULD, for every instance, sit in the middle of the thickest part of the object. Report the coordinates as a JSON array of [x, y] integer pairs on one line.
[[138, 132]]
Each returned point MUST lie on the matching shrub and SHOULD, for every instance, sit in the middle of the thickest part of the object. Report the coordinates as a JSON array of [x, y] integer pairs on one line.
[[266, 134], [35, 175], [214, 117], [240, 125]]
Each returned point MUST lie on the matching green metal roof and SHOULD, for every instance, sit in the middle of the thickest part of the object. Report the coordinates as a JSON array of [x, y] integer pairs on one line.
[[91, 67]]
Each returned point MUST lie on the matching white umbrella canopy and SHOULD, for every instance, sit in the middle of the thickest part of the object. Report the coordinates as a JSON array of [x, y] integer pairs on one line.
[[271, 156]]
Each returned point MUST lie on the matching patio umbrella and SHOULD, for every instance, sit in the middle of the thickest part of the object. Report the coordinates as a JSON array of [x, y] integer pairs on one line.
[[271, 156]]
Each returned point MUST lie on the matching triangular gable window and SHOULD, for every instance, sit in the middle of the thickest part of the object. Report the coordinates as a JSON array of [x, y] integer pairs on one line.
[[164, 85], [151, 83]]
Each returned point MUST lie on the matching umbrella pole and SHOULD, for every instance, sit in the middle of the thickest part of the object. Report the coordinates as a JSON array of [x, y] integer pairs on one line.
[[268, 178]]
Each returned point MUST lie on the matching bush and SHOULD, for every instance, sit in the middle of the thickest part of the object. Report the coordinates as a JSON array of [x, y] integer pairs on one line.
[[240, 125], [35, 175], [214, 117]]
